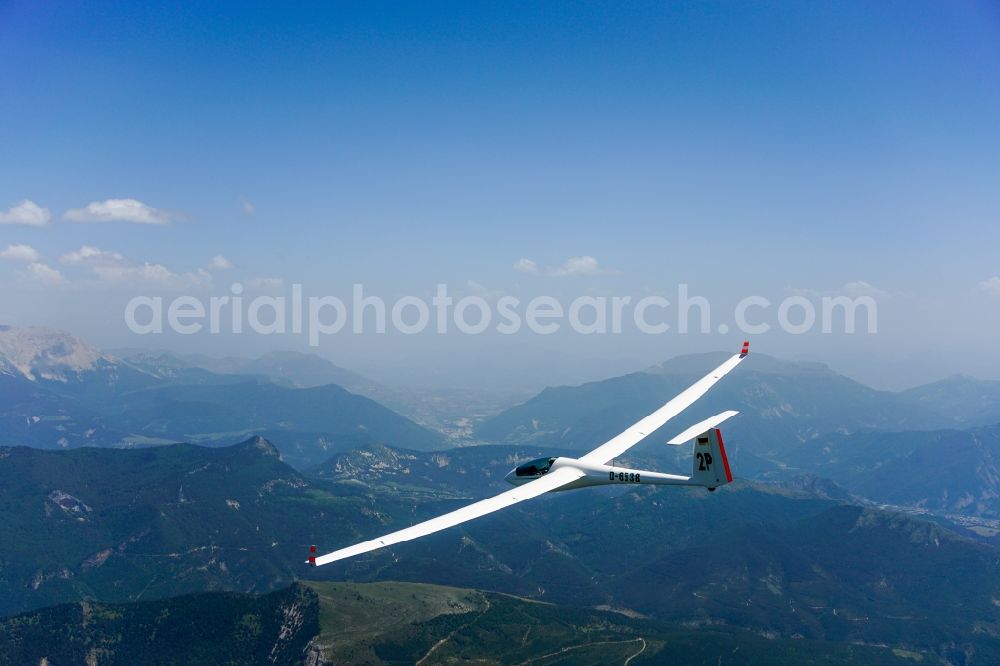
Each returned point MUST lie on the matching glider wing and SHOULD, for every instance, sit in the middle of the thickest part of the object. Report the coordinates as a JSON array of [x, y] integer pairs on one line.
[[619, 444], [554, 479]]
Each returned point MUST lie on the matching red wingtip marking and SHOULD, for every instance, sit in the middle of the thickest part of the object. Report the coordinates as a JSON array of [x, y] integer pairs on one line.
[[312, 555], [725, 460], [746, 348]]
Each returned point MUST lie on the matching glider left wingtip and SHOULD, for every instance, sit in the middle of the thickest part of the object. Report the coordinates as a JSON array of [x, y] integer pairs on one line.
[[312, 556], [746, 349]]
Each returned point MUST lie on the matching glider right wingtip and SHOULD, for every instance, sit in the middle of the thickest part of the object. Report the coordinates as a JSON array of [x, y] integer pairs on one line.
[[746, 349]]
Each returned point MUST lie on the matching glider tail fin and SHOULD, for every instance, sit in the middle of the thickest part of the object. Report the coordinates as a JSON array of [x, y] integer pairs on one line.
[[711, 466]]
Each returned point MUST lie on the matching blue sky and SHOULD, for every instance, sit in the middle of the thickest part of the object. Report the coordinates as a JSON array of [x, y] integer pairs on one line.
[[742, 148]]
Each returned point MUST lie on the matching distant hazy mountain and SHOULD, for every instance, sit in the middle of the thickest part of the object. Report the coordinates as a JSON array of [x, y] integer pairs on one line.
[[171, 368], [447, 410], [64, 364], [310, 424], [38, 353], [292, 368], [966, 400], [61, 393], [951, 471], [782, 404], [47, 380]]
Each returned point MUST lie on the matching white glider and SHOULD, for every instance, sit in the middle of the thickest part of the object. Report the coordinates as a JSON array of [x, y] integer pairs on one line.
[[537, 477]]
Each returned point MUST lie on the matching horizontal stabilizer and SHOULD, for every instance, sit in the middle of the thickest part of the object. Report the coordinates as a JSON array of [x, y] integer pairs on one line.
[[699, 428]]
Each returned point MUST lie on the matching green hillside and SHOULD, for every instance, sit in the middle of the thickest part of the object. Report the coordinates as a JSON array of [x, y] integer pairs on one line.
[[392, 623], [207, 628], [120, 525], [406, 623]]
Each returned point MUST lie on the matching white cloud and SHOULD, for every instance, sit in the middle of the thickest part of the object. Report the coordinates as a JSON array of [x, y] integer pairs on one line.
[[118, 210], [43, 274], [145, 272], [92, 256], [112, 268], [991, 286], [27, 212], [580, 266], [24, 253], [219, 263], [266, 283], [248, 207], [156, 274], [526, 266]]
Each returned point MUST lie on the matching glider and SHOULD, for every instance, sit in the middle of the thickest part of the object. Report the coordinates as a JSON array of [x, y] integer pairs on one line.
[[597, 468]]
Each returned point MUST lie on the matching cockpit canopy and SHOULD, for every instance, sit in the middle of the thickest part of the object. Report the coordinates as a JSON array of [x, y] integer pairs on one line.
[[535, 467]]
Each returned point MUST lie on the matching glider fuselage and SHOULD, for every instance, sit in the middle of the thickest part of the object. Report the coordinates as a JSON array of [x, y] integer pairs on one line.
[[594, 474]]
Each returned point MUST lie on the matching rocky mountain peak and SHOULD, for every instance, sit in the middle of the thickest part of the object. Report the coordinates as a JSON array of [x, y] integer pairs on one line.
[[36, 352], [261, 445]]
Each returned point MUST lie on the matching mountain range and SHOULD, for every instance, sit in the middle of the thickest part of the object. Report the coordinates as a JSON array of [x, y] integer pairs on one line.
[[131, 525], [782, 406], [449, 411], [59, 392], [870, 518], [288, 368]]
